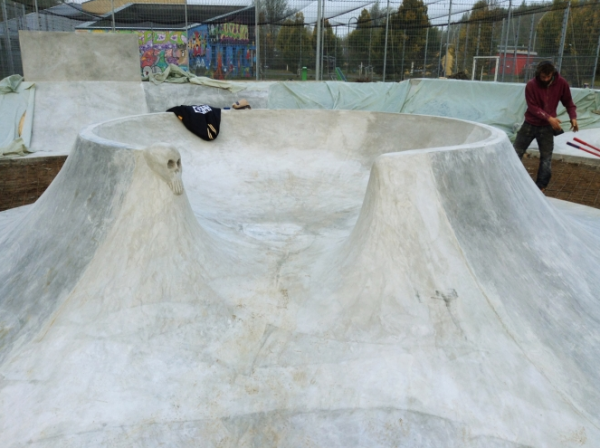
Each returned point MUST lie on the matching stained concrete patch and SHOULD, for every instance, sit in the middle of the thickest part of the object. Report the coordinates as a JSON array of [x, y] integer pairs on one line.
[[64, 57]]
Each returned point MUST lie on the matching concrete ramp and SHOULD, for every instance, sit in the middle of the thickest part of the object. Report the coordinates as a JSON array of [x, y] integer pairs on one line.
[[80, 79], [66, 57], [62, 109], [325, 279]]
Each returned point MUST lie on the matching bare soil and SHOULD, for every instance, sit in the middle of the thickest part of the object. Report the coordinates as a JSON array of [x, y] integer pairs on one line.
[[570, 181], [22, 181]]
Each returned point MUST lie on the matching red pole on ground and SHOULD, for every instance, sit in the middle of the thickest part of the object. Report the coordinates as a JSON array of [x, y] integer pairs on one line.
[[583, 149], [586, 144]]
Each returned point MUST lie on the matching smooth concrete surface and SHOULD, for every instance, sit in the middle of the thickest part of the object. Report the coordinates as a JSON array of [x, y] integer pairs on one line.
[[8, 217], [64, 56], [62, 109], [581, 215], [321, 281], [161, 97]]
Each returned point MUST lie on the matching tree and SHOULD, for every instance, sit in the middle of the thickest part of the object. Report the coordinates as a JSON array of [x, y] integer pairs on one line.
[[582, 40], [549, 29], [332, 47], [480, 34], [275, 10], [409, 29], [294, 43], [360, 41], [272, 12], [407, 35], [377, 14]]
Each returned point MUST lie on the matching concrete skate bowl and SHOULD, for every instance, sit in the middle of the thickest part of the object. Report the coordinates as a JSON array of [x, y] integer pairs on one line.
[[325, 279]]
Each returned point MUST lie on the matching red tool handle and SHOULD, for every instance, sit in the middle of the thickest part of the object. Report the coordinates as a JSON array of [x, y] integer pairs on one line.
[[586, 144], [583, 149]]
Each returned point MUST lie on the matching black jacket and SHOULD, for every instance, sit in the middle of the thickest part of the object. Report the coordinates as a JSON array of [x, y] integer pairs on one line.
[[202, 120]]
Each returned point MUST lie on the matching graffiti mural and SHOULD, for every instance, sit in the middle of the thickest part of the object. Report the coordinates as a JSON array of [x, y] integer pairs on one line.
[[230, 33], [221, 51], [158, 49]]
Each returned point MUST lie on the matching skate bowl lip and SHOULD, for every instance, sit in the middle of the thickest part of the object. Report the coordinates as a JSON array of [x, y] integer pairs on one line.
[[480, 135]]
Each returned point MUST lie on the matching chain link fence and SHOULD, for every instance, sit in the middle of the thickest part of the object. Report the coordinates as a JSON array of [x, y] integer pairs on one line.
[[349, 40]]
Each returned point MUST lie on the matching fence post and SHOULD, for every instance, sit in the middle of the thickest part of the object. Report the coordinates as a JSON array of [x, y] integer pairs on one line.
[[11, 67], [478, 38], [518, 32], [448, 39], [403, 49], [529, 49], [563, 36], [506, 38], [466, 45], [596, 62], [456, 48], [440, 55], [323, 33], [37, 15], [425, 58], [492, 38], [499, 51], [335, 55], [185, 11], [112, 14], [370, 39], [392, 49], [387, 22], [318, 55], [256, 40]]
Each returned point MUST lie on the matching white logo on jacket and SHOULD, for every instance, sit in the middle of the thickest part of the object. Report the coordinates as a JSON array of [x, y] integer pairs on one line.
[[202, 109]]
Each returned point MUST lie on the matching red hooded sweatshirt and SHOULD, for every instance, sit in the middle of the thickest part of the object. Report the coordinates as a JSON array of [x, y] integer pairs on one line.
[[542, 101]]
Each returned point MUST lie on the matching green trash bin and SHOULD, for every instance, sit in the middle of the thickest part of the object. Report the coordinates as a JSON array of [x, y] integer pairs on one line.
[[304, 72]]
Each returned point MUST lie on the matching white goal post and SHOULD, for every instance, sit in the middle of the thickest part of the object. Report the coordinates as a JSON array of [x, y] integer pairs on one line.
[[497, 58]]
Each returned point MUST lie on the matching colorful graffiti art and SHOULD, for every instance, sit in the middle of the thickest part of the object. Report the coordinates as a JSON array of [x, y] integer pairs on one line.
[[199, 49], [221, 51], [158, 49]]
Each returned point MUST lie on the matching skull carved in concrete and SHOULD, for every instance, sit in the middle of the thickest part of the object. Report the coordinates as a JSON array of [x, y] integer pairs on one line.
[[165, 161]]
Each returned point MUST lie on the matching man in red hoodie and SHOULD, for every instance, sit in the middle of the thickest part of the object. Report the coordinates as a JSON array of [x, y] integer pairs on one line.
[[542, 94]]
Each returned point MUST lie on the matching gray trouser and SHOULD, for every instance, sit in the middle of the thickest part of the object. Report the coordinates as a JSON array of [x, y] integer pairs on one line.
[[545, 140]]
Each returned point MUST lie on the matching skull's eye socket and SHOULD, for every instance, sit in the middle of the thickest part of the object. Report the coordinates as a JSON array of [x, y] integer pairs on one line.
[[178, 163], [171, 164]]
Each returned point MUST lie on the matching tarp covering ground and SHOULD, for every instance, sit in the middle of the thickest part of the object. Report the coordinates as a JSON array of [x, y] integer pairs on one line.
[[501, 105], [374, 97], [16, 115], [55, 128]]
